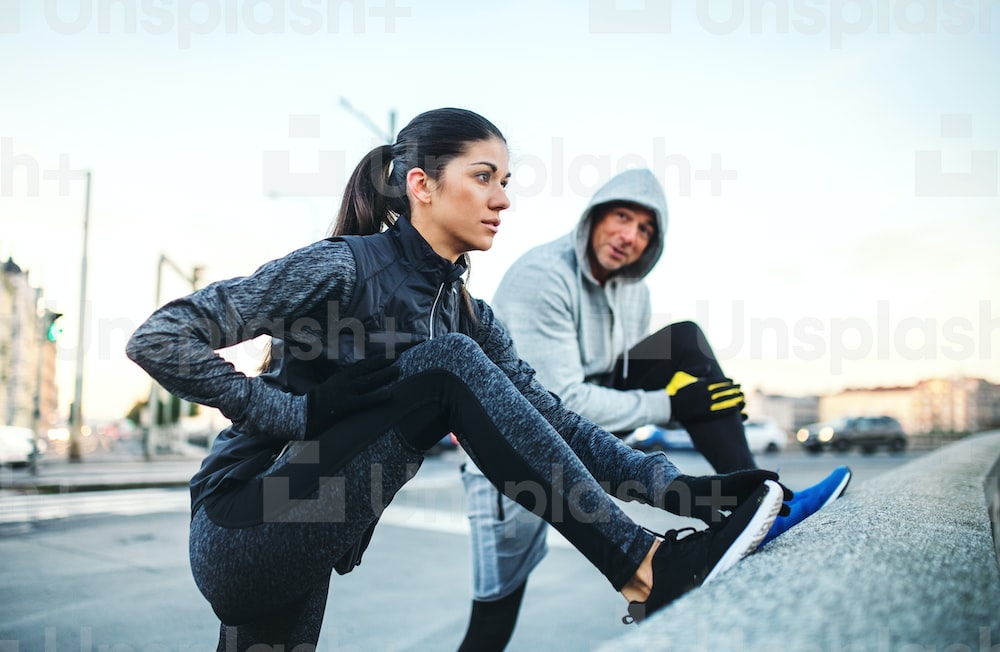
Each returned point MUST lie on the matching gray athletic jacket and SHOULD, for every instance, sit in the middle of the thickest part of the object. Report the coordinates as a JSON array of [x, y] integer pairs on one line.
[[571, 329]]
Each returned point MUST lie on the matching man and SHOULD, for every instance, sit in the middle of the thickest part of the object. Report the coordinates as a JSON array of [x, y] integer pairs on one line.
[[578, 311]]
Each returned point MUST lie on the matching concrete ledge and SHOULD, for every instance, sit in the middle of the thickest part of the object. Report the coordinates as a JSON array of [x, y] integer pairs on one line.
[[905, 562]]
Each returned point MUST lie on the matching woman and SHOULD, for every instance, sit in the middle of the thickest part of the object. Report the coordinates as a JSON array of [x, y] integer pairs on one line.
[[377, 351]]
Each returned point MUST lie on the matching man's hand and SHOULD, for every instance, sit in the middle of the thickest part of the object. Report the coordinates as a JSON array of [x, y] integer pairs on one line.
[[693, 400]]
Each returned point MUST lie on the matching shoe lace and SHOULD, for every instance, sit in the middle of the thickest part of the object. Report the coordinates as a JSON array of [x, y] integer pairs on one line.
[[671, 535]]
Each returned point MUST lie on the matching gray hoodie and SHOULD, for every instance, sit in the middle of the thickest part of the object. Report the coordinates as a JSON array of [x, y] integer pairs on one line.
[[571, 329]]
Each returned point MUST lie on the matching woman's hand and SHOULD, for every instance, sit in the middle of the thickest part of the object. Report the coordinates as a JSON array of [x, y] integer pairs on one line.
[[706, 497], [355, 388]]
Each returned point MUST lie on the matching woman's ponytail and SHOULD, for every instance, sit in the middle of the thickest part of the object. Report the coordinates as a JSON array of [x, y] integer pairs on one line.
[[365, 208]]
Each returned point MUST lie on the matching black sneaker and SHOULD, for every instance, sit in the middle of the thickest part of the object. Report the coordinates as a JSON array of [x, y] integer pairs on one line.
[[681, 564]]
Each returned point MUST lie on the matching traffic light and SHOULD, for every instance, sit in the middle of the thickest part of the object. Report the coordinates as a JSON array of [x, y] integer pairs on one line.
[[52, 331]]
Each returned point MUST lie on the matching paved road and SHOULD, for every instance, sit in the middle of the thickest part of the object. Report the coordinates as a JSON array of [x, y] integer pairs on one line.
[[108, 571]]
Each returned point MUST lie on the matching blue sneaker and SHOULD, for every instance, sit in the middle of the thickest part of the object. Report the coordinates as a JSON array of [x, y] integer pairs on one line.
[[807, 502]]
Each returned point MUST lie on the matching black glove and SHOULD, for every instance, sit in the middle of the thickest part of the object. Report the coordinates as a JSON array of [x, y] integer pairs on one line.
[[703, 497], [694, 400], [357, 387]]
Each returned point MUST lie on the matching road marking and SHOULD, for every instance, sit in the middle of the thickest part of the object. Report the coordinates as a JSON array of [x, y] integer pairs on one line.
[[433, 520], [22, 508]]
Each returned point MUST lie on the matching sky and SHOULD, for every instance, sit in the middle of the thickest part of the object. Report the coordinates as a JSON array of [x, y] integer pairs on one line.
[[831, 168]]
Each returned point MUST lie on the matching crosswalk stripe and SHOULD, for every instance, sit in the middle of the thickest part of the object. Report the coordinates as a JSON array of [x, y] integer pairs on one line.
[[20, 508], [447, 522], [27, 508]]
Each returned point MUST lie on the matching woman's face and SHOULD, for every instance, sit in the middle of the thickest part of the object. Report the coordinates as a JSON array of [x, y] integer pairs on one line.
[[460, 212]]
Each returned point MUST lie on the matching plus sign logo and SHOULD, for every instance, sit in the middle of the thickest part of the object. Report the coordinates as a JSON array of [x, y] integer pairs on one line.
[[980, 177], [323, 178], [389, 12], [14, 165]]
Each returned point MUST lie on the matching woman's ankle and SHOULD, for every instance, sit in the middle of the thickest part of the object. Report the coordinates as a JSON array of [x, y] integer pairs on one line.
[[641, 583]]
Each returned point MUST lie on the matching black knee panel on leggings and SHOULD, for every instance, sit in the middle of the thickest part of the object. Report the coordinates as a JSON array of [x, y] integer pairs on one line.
[[492, 623]]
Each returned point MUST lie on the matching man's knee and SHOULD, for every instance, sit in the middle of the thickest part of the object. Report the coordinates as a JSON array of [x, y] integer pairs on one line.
[[689, 344]]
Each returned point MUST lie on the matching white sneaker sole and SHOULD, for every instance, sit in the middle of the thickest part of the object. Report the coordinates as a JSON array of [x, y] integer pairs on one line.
[[753, 533], [839, 491]]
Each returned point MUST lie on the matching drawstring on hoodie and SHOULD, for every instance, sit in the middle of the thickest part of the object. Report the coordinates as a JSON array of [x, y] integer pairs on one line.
[[639, 187]]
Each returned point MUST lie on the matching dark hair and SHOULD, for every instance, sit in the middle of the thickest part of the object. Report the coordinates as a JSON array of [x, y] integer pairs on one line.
[[603, 209], [376, 192]]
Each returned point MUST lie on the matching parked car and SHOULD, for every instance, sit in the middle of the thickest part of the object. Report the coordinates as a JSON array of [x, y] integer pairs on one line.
[[763, 436], [866, 433], [17, 445], [652, 439]]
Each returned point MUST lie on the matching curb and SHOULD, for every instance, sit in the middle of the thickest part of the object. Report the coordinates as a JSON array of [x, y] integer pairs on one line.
[[905, 561], [85, 486]]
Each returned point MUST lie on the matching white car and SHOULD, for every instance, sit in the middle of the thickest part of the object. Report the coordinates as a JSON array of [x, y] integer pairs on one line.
[[17, 445], [765, 435]]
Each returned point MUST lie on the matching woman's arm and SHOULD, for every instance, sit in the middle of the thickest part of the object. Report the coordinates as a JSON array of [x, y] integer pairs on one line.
[[177, 344], [538, 303]]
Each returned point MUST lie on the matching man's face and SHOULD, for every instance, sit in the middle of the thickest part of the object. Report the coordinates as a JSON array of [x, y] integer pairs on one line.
[[620, 234]]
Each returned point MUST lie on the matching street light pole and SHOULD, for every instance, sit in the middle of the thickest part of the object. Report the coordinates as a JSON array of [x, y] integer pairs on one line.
[[386, 137], [76, 415], [154, 390]]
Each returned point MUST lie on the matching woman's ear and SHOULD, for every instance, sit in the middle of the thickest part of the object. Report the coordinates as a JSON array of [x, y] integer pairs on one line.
[[420, 185]]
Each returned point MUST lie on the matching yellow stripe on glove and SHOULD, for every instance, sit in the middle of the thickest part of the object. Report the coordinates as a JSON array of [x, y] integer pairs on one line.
[[694, 399]]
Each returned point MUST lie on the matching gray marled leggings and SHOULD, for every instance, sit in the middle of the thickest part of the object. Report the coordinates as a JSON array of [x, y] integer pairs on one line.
[[268, 581]]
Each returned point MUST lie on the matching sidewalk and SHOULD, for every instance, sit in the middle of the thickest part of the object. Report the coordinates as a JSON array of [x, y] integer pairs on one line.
[[103, 470]]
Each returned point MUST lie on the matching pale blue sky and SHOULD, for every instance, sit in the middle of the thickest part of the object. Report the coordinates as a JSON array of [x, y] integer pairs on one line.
[[849, 239]]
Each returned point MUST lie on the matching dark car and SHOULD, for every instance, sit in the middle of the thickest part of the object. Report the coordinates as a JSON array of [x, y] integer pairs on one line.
[[866, 433]]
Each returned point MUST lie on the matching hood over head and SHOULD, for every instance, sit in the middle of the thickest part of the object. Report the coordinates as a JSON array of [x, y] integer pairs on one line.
[[633, 187]]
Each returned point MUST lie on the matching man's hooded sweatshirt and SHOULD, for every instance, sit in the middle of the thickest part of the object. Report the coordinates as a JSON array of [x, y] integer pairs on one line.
[[571, 328]]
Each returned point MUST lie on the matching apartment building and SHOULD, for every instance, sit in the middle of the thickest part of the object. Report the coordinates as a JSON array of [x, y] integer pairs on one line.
[[28, 392], [936, 405]]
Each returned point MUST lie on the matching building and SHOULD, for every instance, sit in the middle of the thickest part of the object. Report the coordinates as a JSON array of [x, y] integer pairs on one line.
[[898, 402], [28, 393], [957, 405], [938, 405], [790, 412]]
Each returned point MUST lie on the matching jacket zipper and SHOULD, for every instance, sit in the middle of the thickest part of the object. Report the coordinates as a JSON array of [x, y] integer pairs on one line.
[[434, 305]]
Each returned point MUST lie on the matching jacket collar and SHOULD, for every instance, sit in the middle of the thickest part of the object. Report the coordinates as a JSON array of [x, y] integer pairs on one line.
[[422, 255]]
